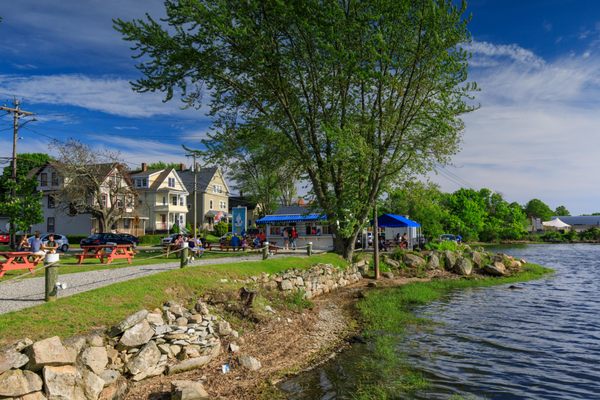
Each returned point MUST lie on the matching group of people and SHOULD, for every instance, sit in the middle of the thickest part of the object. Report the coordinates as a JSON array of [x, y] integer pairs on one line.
[[290, 237], [36, 246], [195, 245]]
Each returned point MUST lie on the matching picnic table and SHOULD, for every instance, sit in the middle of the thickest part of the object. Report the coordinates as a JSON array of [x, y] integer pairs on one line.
[[13, 260], [106, 253]]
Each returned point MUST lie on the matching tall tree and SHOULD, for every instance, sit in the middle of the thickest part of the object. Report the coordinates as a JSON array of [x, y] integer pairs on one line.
[[562, 210], [535, 208], [362, 91], [93, 182]]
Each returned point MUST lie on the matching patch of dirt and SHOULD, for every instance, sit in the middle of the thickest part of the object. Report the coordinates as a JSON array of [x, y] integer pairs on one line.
[[285, 345]]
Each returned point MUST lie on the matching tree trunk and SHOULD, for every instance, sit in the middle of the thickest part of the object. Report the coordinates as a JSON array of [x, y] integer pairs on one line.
[[345, 246]]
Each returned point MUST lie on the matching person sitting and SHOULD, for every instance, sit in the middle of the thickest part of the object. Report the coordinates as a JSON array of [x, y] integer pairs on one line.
[[23, 244], [50, 246], [383, 244], [404, 241], [244, 243], [36, 247], [235, 242], [178, 242], [256, 242]]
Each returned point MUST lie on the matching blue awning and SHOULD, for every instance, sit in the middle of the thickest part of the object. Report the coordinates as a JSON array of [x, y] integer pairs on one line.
[[270, 219], [395, 221]]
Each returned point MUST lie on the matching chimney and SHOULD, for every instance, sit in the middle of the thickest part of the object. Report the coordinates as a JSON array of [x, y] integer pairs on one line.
[[144, 167], [182, 167]]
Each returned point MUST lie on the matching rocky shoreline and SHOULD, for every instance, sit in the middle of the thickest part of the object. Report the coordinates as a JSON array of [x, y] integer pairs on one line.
[[178, 352]]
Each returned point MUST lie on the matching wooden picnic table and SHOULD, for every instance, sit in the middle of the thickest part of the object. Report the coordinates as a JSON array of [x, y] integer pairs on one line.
[[106, 253], [14, 260]]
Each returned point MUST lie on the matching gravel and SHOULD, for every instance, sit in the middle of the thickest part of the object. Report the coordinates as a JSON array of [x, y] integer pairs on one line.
[[19, 294]]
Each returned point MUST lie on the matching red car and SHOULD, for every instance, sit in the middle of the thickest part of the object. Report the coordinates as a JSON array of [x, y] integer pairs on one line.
[[4, 238]]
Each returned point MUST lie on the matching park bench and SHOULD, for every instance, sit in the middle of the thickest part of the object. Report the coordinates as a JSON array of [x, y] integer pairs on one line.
[[13, 260]]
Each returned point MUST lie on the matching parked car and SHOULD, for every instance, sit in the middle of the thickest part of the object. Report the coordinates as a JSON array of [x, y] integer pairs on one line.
[[4, 238], [170, 239], [451, 238], [104, 238], [61, 240], [359, 239], [127, 236]]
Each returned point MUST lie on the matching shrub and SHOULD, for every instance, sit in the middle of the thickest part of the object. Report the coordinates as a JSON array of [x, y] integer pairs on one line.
[[221, 228], [150, 239]]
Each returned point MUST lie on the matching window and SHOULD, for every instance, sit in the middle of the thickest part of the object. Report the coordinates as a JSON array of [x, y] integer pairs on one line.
[[210, 205], [50, 225], [51, 201], [180, 219], [174, 200], [181, 200], [222, 205], [171, 217], [141, 182], [171, 182], [54, 178], [164, 200], [217, 189], [104, 200], [126, 223], [43, 179]]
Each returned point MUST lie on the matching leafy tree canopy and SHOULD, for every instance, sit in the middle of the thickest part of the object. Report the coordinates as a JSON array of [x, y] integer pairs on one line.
[[162, 165], [362, 92], [538, 209], [562, 210]]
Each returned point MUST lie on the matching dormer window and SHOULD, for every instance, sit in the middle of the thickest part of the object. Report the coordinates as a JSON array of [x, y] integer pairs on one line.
[[141, 182], [171, 182], [43, 179]]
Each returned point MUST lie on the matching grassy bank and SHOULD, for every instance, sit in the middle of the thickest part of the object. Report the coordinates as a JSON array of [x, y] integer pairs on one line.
[[108, 305], [386, 314]]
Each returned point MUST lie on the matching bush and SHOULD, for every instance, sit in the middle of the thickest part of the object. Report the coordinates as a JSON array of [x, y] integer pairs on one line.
[[443, 246], [150, 239], [221, 228]]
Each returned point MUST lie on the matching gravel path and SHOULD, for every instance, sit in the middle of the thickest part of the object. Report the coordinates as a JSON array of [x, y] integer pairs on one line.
[[30, 292]]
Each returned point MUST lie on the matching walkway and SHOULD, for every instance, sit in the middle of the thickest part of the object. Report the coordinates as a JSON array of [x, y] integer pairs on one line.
[[30, 292]]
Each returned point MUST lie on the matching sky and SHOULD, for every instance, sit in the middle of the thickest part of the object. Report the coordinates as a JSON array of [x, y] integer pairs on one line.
[[535, 134]]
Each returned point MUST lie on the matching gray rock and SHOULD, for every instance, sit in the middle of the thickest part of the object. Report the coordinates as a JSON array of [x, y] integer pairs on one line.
[[188, 390], [137, 335], [95, 358], [146, 359], [109, 376], [434, 262], [11, 359], [181, 321], [91, 384], [128, 322], [463, 266], [413, 260], [49, 352], [178, 310], [95, 340], [20, 344], [495, 269], [478, 259], [15, 383], [249, 362], [155, 319], [75, 343], [450, 258], [116, 390], [224, 328], [189, 364], [34, 396], [286, 284], [234, 348], [60, 382], [388, 275]]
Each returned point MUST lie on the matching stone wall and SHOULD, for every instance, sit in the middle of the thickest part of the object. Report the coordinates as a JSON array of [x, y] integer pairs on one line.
[[320, 279]]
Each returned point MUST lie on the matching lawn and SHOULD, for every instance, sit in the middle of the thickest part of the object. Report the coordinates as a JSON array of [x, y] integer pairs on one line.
[[69, 263], [108, 305]]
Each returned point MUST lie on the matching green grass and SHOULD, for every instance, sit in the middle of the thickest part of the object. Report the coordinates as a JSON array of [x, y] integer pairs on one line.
[[108, 305], [386, 313], [69, 263]]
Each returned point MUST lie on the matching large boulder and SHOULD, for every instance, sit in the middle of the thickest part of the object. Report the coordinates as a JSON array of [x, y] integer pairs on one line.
[[11, 359], [413, 260], [60, 382], [494, 269], [463, 266], [188, 390], [249, 362], [479, 259], [144, 361], [450, 258], [116, 390], [434, 262], [49, 351], [15, 383], [95, 358], [128, 322], [137, 335]]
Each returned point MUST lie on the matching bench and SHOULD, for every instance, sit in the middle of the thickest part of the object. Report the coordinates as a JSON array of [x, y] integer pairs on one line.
[[14, 260], [106, 253], [227, 248]]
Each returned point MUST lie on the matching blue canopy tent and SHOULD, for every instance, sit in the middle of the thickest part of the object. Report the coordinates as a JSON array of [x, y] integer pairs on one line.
[[392, 221], [269, 219]]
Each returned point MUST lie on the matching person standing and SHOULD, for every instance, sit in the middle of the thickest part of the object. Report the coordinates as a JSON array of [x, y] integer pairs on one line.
[[286, 239], [294, 237]]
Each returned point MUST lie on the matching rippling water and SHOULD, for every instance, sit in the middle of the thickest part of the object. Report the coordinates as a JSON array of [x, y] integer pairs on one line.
[[541, 341]]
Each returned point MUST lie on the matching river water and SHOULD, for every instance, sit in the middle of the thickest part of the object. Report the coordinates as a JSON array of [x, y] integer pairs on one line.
[[540, 341]]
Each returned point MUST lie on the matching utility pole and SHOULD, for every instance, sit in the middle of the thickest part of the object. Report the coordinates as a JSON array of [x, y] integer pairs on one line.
[[194, 154], [17, 113], [376, 243]]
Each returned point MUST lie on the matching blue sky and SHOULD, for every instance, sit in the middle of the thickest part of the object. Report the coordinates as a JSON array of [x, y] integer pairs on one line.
[[537, 63]]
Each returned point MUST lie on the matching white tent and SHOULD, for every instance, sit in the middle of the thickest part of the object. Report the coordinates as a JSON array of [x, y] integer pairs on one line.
[[556, 224]]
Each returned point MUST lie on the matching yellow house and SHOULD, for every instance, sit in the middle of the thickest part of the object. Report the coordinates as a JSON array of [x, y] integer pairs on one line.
[[162, 198], [212, 196]]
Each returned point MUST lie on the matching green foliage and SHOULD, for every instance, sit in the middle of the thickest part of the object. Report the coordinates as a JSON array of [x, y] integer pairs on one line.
[[151, 239], [562, 211], [538, 209], [592, 234], [359, 94], [163, 165], [297, 302], [221, 228], [444, 245]]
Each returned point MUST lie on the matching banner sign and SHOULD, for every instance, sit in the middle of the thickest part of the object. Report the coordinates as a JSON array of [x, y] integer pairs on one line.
[[239, 220]]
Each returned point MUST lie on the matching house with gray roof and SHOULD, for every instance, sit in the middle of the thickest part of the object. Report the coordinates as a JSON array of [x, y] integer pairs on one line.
[[581, 223]]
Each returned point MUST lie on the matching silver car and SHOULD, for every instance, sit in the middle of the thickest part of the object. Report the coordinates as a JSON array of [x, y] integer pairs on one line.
[[61, 240]]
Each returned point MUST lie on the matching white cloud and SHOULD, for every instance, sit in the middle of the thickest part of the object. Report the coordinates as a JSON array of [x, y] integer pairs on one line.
[[486, 51], [106, 94], [536, 134]]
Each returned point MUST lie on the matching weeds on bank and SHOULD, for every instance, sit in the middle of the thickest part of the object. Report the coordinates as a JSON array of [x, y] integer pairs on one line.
[[386, 314]]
